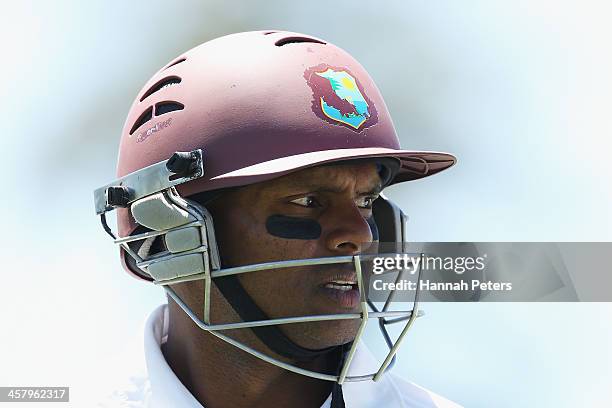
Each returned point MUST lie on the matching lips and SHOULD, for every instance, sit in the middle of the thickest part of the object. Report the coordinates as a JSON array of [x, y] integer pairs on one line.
[[339, 275], [341, 280], [342, 289]]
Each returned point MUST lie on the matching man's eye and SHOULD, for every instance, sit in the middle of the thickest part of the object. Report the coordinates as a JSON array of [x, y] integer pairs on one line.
[[307, 201], [365, 202]]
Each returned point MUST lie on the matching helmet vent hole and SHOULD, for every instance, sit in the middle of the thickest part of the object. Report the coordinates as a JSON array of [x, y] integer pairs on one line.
[[270, 32], [144, 118], [165, 107], [178, 61], [294, 40], [164, 83]]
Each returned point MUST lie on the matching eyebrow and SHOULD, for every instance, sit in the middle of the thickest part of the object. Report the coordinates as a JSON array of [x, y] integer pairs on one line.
[[320, 189]]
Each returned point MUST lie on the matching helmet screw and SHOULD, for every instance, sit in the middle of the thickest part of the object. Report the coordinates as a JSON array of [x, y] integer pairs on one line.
[[182, 163], [117, 196]]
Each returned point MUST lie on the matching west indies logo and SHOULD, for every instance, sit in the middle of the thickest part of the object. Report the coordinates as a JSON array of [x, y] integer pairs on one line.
[[338, 97]]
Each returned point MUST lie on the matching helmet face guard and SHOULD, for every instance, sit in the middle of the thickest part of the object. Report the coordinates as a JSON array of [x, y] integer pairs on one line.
[[191, 254]]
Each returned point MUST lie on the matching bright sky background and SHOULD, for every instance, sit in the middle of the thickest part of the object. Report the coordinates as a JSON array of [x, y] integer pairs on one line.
[[520, 91]]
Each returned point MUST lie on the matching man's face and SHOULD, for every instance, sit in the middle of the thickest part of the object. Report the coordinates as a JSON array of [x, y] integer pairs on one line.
[[318, 212]]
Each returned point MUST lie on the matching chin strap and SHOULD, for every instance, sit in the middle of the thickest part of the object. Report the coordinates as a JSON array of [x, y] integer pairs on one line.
[[271, 336], [337, 400], [337, 397]]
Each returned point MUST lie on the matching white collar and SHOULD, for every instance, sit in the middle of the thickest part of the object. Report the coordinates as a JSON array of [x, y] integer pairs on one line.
[[166, 389]]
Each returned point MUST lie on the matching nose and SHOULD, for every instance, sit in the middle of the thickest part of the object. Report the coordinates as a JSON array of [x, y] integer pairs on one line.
[[349, 233]]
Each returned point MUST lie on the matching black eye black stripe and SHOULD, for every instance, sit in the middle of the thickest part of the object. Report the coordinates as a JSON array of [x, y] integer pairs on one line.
[[283, 226]]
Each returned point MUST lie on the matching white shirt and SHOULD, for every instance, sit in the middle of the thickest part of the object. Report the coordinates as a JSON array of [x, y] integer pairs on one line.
[[160, 387]]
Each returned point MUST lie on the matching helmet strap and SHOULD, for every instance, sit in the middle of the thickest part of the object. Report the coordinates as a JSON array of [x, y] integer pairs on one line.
[[337, 400]]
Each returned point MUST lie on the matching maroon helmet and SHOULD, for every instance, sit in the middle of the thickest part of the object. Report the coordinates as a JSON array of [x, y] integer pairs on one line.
[[262, 104]]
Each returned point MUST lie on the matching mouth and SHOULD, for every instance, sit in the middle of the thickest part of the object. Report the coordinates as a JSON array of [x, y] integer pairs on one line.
[[342, 285], [342, 290]]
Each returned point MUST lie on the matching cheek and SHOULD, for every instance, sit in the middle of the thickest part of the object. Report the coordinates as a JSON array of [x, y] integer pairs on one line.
[[237, 235], [286, 227], [278, 238]]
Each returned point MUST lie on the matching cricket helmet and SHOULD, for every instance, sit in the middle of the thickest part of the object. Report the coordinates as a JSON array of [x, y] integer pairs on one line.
[[238, 110]]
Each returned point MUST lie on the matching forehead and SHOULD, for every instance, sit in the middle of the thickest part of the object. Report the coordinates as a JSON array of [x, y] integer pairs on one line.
[[361, 176]]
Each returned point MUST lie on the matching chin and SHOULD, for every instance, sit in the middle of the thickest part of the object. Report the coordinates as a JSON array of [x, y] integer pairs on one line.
[[319, 335]]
